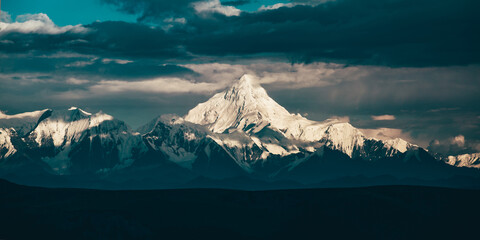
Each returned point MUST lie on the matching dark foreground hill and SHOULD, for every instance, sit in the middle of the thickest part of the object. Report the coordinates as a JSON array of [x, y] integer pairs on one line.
[[387, 212]]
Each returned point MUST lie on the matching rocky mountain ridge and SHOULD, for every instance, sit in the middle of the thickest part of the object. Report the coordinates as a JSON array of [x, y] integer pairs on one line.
[[240, 132]]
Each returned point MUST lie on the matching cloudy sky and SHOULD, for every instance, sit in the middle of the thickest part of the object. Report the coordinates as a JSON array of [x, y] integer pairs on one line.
[[404, 68]]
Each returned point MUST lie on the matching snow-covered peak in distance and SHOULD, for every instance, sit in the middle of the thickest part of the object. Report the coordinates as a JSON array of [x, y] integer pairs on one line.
[[23, 123], [26, 116], [465, 160], [76, 109], [70, 115], [246, 106], [60, 137], [68, 123]]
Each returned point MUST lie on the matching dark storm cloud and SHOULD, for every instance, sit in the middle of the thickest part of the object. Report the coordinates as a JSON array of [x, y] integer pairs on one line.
[[456, 145], [370, 90], [396, 33], [134, 70], [89, 66], [374, 32], [114, 39], [152, 9], [127, 39], [236, 3]]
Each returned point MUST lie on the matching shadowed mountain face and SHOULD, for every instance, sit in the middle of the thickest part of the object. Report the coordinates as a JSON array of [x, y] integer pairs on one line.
[[240, 133], [389, 212]]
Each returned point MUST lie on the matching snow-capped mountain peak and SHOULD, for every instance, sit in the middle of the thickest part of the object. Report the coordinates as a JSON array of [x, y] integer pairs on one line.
[[35, 115], [246, 90], [238, 131], [79, 111], [71, 115], [65, 125], [465, 160], [23, 123], [245, 105], [65, 135], [398, 144]]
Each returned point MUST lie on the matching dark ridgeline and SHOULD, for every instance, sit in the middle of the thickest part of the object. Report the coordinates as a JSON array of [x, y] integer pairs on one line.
[[388, 212]]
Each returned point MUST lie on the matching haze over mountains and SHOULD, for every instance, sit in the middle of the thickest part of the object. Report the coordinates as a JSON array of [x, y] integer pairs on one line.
[[239, 138]]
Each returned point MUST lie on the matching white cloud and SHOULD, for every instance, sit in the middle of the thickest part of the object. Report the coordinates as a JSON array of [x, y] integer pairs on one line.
[[76, 81], [169, 23], [142, 88], [218, 72], [276, 6], [341, 118], [477, 146], [38, 23], [458, 140], [280, 75], [215, 6], [5, 17], [455, 145], [175, 20], [383, 118], [118, 61], [81, 63], [7, 42], [62, 54], [289, 5], [158, 85], [304, 75], [386, 134]]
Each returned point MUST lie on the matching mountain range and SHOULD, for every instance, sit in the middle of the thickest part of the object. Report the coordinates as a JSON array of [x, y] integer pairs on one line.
[[239, 138]]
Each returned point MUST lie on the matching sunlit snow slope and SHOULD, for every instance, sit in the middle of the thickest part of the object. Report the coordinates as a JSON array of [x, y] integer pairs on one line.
[[246, 106], [465, 160]]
